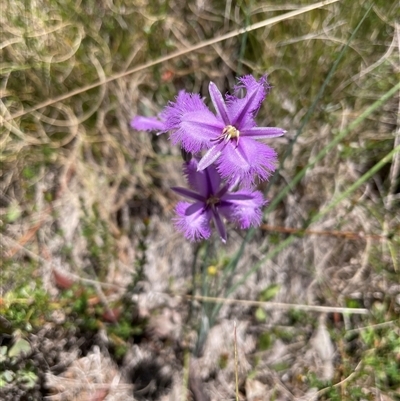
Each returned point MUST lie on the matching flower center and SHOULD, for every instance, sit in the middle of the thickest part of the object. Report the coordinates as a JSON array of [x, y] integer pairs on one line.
[[212, 200], [230, 132]]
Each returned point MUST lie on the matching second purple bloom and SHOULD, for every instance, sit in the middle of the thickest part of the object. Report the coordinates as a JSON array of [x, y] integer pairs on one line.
[[212, 200]]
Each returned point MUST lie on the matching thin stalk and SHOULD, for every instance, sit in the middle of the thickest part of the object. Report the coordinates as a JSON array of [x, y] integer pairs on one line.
[[331, 145], [321, 91], [243, 41], [236, 362], [280, 305], [250, 233], [318, 216], [294, 182], [171, 56]]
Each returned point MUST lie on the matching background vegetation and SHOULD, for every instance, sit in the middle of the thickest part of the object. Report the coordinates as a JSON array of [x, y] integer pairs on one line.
[[100, 298]]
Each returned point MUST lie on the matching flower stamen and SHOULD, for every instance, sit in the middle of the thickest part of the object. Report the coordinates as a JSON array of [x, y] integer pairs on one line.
[[228, 133], [212, 200]]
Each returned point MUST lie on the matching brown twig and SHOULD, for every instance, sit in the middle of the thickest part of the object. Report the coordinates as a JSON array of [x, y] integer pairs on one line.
[[333, 233]]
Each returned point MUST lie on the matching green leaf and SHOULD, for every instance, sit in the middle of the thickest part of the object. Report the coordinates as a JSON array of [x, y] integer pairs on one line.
[[269, 293], [13, 212], [264, 341], [19, 347], [6, 377], [260, 314], [28, 379]]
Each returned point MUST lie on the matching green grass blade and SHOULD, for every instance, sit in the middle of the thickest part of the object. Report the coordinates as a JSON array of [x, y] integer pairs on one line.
[[331, 145], [249, 235], [356, 185], [338, 199], [311, 110]]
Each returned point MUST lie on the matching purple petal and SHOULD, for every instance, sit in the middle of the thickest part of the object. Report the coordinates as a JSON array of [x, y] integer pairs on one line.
[[184, 103], [219, 225], [210, 156], [191, 174], [194, 226], [141, 123], [195, 208], [205, 182], [223, 190], [213, 180], [243, 110], [219, 103], [243, 208], [187, 193], [239, 196], [262, 132], [196, 131], [200, 180], [192, 123], [246, 161]]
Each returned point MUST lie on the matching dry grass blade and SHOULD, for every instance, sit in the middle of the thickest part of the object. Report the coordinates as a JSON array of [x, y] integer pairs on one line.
[[279, 305], [177, 54]]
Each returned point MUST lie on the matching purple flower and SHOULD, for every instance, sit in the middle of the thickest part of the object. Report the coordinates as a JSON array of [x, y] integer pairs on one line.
[[211, 200], [230, 136]]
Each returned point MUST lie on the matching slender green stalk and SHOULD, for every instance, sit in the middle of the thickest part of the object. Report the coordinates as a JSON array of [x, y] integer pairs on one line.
[[250, 233], [331, 145], [317, 217], [356, 185], [244, 39], [321, 91], [194, 289], [186, 373]]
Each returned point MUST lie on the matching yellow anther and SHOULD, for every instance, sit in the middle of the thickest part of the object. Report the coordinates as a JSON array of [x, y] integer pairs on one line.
[[230, 132], [212, 200]]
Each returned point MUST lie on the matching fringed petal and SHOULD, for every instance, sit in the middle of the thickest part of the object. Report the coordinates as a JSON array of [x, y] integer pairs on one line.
[[193, 221]]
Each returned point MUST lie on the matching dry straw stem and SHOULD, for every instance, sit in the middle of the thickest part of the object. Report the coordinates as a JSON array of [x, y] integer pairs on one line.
[[8, 242], [236, 362], [324, 211], [373, 327], [176, 54], [324, 390], [338, 138], [280, 305]]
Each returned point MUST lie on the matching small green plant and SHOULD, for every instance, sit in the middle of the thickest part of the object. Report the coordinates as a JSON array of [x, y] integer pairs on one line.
[[16, 369], [26, 307]]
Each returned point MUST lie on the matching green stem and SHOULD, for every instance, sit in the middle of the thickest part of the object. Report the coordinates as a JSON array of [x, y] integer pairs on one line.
[[329, 147], [318, 216]]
